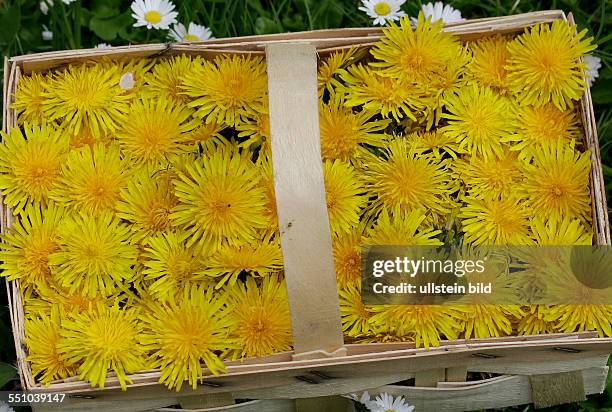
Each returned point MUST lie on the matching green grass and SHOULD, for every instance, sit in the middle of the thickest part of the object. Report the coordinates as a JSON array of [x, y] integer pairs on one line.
[[87, 23]]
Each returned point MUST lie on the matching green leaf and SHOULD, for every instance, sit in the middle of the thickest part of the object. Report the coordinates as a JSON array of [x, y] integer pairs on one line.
[[7, 373], [602, 91], [10, 23], [104, 28], [264, 25]]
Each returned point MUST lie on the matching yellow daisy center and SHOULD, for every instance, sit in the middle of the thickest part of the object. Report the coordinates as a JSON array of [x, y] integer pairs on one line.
[[153, 17], [382, 8], [191, 37]]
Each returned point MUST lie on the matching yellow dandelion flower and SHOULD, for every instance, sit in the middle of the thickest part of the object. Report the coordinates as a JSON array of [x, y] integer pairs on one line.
[[479, 118], [42, 336], [580, 318], [260, 258], [29, 98], [495, 220], [257, 131], [147, 203], [356, 317], [544, 64], [536, 126], [165, 79], [489, 64], [207, 135], [173, 266], [261, 319], [86, 93], [347, 257], [556, 231], [267, 182], [434, 142], [485, 321], [345, 195], [402, 228], [533, 322], [498, 174], [428, 323], [415, 54], [95, 255], [92, 179], [30, 163], [85, 137], [557, 182], [157, 130], [68, 302], [184, 332], [227, 90], [343, 132], [28, 245], [220, 199], [378, 94], [332, 67], [136, 69], [102, 340], [406, 179]]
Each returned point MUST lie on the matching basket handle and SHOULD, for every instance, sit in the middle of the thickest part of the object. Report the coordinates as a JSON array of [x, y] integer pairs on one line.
[[301, 202]]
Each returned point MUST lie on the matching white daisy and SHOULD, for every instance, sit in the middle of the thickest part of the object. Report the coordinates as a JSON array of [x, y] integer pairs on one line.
[[103, 46], [438, 11], [47, 35], [383, 11], [385, 403], [593, 64], [158, 14], [5, 408], [194, 32], [44, 6]]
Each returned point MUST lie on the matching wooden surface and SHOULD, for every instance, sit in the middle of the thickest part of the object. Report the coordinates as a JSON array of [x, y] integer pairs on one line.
[[300, 199]]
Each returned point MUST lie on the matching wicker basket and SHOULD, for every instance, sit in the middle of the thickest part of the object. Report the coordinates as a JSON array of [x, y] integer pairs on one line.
[[321, 365]]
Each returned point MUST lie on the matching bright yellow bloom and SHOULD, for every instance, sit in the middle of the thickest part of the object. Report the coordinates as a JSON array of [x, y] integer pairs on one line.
[[355, 315], [207, 135], [172, 266], [42, 336], [29, 98], [479, 118], [157, 130], [406, 179], [85, 137], [186, 331], [102, 340], [345, 195], [220, 199], [580, 318], [495, 220], [434, 142], [343, 132], [147, 203], [92, 179], [165, 80], [557, 182], [402, 228], [332, 67], [544, 64], [262, 257], [267, 182], [429, 323], [95, 255], [498, 174], [417, 55], [257, 131], [28, 245], [227, 90], [68, 302], [260, 315], [347, 257], [489, 64], [30, 163], [533, 322], [378, 94], [485, 321], [536, 126], [87, 93], [557, 231]]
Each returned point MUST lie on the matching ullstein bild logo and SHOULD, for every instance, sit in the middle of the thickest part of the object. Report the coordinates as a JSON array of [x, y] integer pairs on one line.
[[519, 275]]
